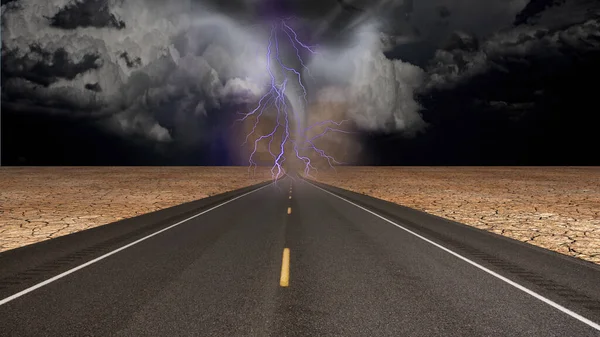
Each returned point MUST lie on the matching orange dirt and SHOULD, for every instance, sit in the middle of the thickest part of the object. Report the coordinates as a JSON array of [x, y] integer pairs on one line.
[[557, 208], [41, 203]]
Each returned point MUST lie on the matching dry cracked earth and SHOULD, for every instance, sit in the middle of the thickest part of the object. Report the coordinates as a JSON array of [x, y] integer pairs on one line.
[[557, 208], [40, 203]]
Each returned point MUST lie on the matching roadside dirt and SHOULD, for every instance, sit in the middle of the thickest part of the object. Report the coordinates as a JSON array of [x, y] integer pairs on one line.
[[41, 203], [557, 208]]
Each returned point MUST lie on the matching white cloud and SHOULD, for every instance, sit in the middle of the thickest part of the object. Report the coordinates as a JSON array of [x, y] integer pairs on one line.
[[379, 92]]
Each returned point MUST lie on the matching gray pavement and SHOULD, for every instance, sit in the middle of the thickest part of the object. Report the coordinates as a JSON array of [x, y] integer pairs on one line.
[[358, 267]]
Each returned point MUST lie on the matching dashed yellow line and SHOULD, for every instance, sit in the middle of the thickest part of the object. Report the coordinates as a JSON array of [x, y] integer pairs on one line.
[[284, 280], [290, 197], [289, 210]]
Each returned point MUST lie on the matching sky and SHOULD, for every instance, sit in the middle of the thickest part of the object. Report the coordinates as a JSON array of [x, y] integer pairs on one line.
[[429, 82]]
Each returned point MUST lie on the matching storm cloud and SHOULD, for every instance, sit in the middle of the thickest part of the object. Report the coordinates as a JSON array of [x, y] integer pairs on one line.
[[379, 92], [176, 71], [43, 67], [86, 13], [532, 62], [85, 61]]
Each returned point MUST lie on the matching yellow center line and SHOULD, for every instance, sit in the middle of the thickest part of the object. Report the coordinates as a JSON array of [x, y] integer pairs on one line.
[[284, 280], [289, 210]]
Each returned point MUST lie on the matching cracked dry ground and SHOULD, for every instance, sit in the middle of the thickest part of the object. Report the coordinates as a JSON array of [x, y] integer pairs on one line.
[[557, 208], [41, 203]]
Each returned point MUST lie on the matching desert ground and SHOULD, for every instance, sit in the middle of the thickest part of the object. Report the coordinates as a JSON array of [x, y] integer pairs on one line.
[[557, 208], [40, 203]]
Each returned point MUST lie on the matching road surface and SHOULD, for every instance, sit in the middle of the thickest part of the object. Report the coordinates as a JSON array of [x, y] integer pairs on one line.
[[353, 266]]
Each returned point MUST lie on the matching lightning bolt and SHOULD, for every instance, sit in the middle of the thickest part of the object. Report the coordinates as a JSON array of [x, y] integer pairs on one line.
[[275, 96]]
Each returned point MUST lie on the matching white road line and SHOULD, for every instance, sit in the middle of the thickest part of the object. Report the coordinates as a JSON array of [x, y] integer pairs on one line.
[[512, 283], [70, 271]]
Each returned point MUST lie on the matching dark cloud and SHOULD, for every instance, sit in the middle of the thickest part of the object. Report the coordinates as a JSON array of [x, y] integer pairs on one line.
[[93, 87], [461, 41], [92, 72], [131, 62], [408, 6], [86, 13], [557, 14], [443, 12], [429, 18], [487, 90], [39, 138], [349, 7], [553, 43], [534, 8], [539, 112], [511, 51], [520, 96], [45, 67]]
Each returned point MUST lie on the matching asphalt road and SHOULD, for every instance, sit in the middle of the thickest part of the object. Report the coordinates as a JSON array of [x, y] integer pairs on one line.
[[357, 267]]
